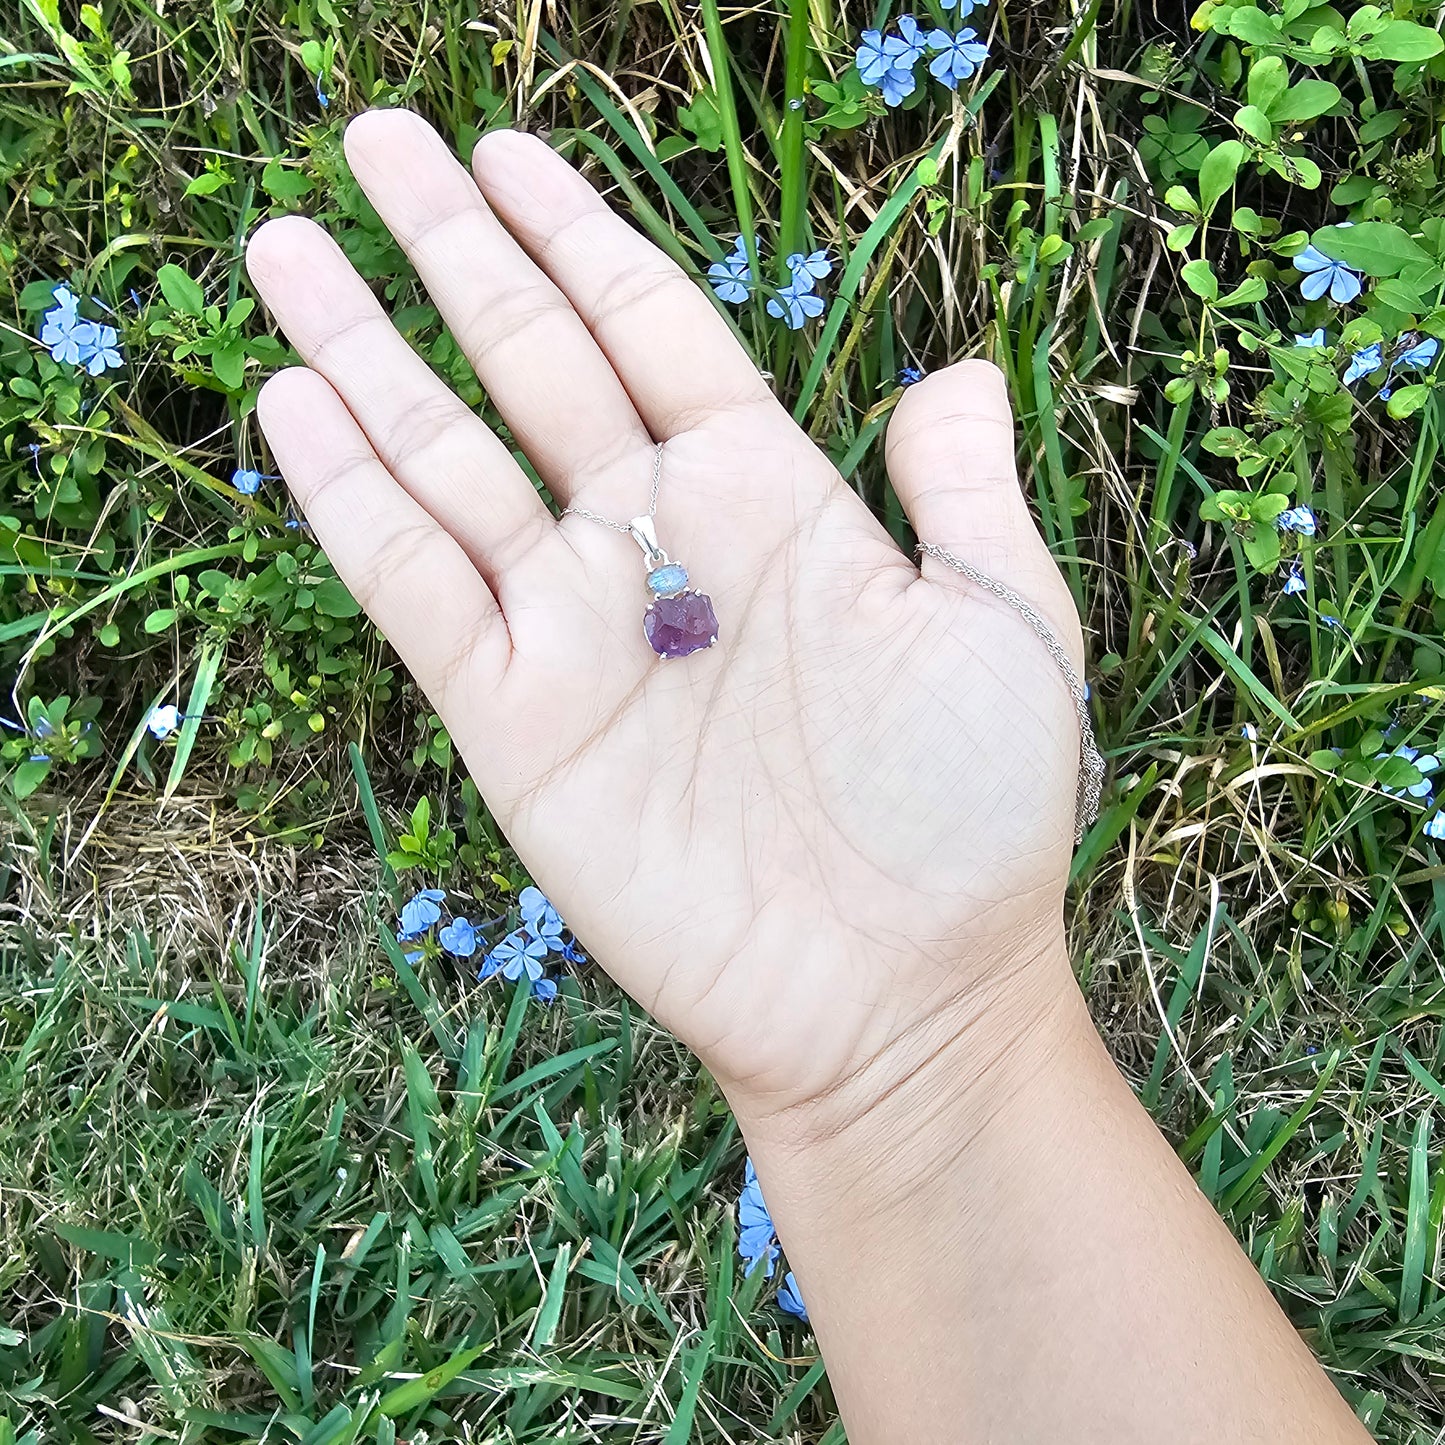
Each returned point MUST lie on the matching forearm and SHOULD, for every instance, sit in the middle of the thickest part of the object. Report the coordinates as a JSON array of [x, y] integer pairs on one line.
[[1006, 1249]]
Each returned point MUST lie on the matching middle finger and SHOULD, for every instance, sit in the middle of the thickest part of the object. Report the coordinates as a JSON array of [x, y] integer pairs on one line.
[[530, 349]]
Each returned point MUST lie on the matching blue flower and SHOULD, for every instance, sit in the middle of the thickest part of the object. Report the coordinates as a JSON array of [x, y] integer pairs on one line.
[[59, 333], [67, 305], [1295, 582], [247, 481], [1315, 338], [908, 375], [75, 341], [540, 919], [1322, 274], [163, 720], [1363, 362], [757, 1238], [1435, 828], [1298, 519], [544, 989], [958, 57], [1424, 765], [874, 59], [459, 938], [517, 954], [887, 61], [420, 911], [1418, 357], [104, 349], [897, 86], [572, 952], [964, 7], [808, 270], [908, 46], [732, 277], [790, 1300], [795, 306]]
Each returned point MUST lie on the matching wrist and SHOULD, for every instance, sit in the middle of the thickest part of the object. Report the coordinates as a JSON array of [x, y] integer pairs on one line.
[[991, 1044]]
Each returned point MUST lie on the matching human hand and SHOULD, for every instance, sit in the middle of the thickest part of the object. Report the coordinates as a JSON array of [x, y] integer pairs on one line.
[[825, 848]]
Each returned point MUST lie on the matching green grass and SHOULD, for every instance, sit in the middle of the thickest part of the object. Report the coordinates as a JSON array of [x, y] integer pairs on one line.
[[259, 1178]]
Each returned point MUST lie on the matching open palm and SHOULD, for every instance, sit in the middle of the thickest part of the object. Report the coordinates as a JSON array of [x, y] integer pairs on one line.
[[809, 849]]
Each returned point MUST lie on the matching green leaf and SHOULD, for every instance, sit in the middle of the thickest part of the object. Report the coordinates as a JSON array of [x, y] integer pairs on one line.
[[1304, 100], [1262, 549], [1403, 40], [1254, 27], [703, 121], [207, 669], [333, 600], [1325, 760], [208, 183], [184, 294], [1217, 173], [1251, 289], [29, 776], [159, 620], [1255, 123], [285, 183], [407, 1397], [1268, 80], [1407, 400], [1396, 294], [229, 365], [1199, 277], [1181, 199], [1378, 248]]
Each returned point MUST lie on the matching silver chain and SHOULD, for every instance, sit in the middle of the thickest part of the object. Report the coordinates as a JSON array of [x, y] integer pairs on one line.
[[1091, 762], [625, 527]]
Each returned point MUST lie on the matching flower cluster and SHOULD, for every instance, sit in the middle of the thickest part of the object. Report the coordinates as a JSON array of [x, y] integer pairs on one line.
[[799, 299], [889, 63], [1412, 353], [1422, 791], [75, 341], [1424, 764], [732, 277], [523, 952], [758, 1242], [795, 302]]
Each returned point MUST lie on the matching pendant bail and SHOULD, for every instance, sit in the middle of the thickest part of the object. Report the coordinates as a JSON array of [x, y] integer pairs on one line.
[[643, 531]]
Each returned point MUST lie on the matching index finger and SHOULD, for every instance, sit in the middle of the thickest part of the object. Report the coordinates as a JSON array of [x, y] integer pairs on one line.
[[675, 355]]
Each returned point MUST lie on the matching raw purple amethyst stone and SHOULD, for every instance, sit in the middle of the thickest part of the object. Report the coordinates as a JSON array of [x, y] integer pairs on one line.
[[676, 626]]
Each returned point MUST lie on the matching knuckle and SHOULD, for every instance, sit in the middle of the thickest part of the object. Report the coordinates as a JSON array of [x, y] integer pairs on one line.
[[638, 289], [422, 425], [401, 554], [502, 318], [338, 338], [428, 237], [341, 470]]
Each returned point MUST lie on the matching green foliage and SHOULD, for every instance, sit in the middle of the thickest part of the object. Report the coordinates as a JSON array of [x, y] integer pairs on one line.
[[1112, 213]]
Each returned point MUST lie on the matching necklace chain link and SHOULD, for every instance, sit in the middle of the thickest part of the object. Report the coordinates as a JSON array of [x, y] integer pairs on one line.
[[1091, 762], [625, 527]]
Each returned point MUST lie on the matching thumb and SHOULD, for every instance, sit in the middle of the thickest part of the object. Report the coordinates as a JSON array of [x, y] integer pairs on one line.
[[950, 453]]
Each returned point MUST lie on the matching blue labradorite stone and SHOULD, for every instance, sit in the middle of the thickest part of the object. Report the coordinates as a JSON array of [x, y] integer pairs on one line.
[[667, 580]]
